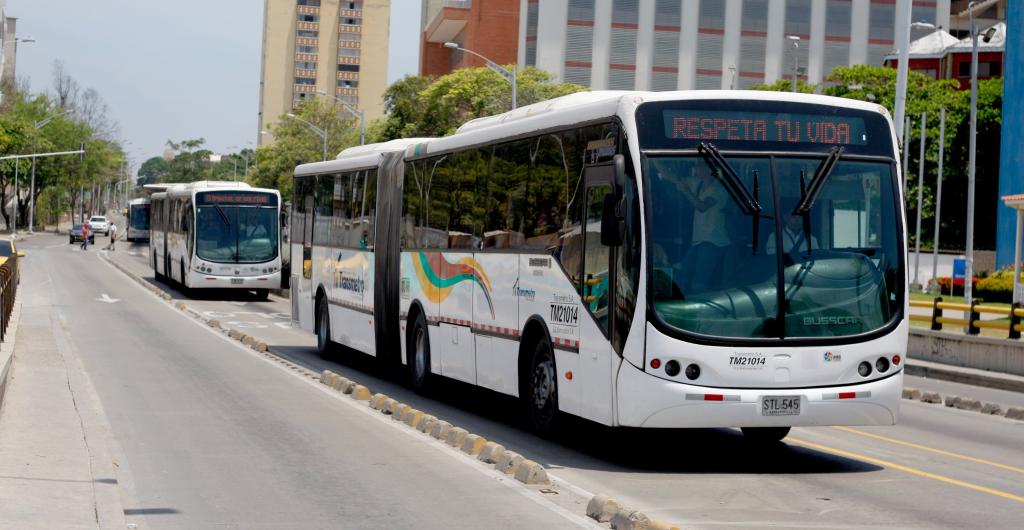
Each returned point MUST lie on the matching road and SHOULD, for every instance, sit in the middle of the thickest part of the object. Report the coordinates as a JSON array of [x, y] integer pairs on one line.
[[938, 468], [213, 435]]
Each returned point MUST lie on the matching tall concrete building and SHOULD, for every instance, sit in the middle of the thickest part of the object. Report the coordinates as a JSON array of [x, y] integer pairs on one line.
[[711, 44], [329, 46]]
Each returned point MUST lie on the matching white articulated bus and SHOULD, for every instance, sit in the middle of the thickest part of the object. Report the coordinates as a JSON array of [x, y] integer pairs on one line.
[[671, 259], [216, 235], [138, 219]]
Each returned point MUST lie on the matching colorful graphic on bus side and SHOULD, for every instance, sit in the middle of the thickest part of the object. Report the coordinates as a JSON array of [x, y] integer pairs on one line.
[[438, 276]]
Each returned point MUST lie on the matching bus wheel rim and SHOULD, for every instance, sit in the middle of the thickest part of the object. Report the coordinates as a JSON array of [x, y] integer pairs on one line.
[[543, 384]]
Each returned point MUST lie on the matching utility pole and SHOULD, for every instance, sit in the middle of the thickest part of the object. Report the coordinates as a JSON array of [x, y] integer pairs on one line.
[[920, 205], [938, 195], [973, 137]]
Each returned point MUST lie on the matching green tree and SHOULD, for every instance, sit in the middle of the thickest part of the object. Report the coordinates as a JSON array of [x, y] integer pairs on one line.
[[296, 143], [153, 170]]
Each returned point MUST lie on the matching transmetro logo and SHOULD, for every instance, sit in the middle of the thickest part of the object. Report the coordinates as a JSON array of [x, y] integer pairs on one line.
[[438, 276]]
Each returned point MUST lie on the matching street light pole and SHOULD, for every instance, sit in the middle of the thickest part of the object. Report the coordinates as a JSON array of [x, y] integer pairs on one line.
[[969, 272], [902, 68], [795, 39], [509, 75], [318, 130], [358, 113], [920, 199], [938, 194]]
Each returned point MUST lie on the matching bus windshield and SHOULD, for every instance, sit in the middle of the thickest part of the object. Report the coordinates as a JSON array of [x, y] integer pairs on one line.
[[236, 234], [139, 217], [739, 250]]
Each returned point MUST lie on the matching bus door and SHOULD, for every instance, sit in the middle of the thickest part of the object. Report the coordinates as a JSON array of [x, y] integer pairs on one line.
[[596, 289], [305, 280]]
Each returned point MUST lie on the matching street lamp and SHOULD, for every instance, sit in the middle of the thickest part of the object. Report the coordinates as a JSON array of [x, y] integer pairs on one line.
[[795, 39], [32, 189], [901, 72], [969, 269], [508, 75], [361, 114], [318, 130]]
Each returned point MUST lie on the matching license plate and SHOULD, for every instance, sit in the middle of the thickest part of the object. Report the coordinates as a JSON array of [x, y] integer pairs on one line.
[[237, 281], [780, 405]]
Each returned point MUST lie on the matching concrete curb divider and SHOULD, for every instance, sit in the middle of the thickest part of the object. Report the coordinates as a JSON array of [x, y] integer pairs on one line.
[[509, 462], [530, 472], [399, 411], [180, 305], [412, 417], [957, 402], [440, 429], [377, 401], [490, 453], [455, 436], [472, 444], [214, 324], [425, 420], [389, 406], [604, 509], [360, 393]]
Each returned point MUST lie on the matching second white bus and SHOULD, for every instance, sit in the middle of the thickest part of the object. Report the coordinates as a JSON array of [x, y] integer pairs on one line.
[[138, 220], [216, 235]]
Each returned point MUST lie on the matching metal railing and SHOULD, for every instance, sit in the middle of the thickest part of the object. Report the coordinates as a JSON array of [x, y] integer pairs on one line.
[[973, 323], [10, 276]]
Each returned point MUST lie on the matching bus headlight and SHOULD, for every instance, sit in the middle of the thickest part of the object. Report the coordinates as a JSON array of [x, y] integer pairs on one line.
[[692, 371], [864, 369], [672, 368]]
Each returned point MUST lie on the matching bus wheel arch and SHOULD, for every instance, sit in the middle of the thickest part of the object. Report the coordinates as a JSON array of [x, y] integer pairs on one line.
[[538, 384]]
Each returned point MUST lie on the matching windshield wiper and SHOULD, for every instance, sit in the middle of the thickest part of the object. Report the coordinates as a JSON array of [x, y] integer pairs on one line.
[[223, 216], [809, 193], [732, 182]]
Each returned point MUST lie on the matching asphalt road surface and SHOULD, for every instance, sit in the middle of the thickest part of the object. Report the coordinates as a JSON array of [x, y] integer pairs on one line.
[[938, 468], [215, 436]]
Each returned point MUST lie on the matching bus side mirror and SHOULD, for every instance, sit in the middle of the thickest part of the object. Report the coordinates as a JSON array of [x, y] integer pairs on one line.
[[619, 162], [613, 228]]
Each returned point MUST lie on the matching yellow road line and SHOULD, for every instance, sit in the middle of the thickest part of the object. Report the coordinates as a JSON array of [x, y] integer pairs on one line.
[[933, 450], [913, 471]]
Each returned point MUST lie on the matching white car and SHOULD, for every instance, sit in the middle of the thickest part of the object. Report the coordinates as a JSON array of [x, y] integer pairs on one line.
[[98, 223]]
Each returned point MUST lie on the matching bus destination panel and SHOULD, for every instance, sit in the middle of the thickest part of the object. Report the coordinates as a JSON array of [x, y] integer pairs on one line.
[[753, 126], [235, 198]]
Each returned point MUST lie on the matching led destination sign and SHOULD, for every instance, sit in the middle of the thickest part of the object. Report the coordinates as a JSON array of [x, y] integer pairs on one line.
[[752, 126], [236, 198]]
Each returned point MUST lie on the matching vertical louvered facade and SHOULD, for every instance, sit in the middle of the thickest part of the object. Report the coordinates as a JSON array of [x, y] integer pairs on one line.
[[710, 44]]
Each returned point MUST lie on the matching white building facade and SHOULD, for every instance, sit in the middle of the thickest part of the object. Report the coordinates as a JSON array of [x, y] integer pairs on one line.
[[711, 44]]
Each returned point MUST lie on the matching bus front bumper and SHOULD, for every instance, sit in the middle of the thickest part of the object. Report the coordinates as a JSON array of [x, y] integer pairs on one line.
[[648, 401], [212, 281]]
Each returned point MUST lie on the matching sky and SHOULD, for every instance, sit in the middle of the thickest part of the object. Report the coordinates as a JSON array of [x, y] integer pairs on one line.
[[171, 69]]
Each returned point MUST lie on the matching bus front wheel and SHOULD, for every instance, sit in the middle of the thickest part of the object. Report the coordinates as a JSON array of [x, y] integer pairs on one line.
[[262, 294], [541, 395], [323, 331], [418, 345], [765, 434]]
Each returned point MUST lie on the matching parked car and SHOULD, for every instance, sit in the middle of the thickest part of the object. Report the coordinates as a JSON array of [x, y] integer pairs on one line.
[[98, 223], [76, 235], [8, 249]]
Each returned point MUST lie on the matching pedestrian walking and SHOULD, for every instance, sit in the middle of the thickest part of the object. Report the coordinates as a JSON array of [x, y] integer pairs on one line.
[[113, 235], [85, 235]]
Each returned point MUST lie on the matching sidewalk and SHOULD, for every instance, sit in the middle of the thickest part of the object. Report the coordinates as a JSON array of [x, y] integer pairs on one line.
[[55, 470]]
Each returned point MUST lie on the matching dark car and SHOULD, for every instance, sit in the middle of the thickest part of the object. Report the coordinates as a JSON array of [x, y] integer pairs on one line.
[[76, 235]]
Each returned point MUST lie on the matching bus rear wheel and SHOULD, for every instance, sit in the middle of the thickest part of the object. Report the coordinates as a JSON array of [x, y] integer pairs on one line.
[[262, 294], [541, 392], [324, 346], [418, 345], [763, 435]]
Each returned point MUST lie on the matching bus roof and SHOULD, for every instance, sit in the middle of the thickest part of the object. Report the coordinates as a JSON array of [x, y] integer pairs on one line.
[[360, 156], [186, 189], [142, 200], [583, 107]]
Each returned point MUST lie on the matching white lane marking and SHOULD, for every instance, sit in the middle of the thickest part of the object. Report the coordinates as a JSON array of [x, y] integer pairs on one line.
[[247, 325], [107, 299]]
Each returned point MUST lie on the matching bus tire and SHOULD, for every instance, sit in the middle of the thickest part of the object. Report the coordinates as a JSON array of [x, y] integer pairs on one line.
[[765, 435], [156, 271], [541, 389], [262, 294], [324, 346], [418, 356], [184, 283]]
